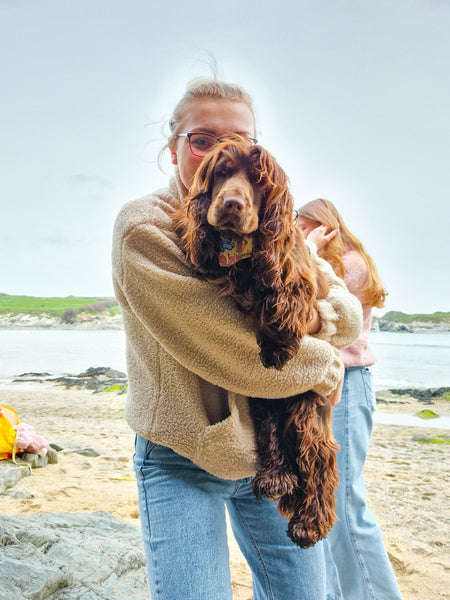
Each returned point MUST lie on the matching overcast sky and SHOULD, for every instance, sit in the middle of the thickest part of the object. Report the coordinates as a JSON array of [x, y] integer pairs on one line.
[[352, 97]]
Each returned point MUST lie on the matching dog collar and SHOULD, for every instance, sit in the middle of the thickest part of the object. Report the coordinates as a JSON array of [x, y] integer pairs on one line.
[[234, 249]]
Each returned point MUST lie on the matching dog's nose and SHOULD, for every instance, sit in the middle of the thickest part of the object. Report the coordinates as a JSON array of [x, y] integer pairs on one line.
[[233, 204]]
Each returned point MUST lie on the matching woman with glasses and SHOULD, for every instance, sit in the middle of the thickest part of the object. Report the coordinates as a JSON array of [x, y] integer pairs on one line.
[[359, 568], [192, 363]]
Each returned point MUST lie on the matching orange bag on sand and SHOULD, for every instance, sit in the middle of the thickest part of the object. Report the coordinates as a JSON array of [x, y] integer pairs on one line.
[[8, 419]]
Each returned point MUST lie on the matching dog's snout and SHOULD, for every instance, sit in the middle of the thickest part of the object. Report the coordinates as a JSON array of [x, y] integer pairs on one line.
[[233, 204]]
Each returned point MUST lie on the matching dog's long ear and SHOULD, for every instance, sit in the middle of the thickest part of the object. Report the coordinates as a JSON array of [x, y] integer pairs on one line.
[[203, 178], [276, 221], [278, 199], [284, 316], [197, 239]]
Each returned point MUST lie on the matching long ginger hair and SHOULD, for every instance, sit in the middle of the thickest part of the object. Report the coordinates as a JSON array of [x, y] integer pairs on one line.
[[325, 213]]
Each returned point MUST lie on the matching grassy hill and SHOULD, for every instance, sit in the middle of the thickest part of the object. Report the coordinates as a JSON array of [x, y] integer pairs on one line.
[[400, 317], [56, 306]]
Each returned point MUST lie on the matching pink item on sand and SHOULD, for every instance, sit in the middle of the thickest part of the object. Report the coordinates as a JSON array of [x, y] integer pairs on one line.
[[29, 441]]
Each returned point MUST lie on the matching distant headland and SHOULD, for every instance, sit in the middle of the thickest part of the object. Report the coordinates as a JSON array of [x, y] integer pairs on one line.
[[75, 312], [70, 312], [417, 323]]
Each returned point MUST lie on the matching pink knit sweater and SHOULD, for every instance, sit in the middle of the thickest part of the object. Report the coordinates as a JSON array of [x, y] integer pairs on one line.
[[359, 353]]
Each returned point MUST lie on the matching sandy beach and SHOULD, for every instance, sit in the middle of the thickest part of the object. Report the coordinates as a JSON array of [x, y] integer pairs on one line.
[[408, 482]]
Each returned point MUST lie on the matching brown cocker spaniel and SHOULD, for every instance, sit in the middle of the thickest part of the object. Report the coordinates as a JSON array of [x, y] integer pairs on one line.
[[237, 228]]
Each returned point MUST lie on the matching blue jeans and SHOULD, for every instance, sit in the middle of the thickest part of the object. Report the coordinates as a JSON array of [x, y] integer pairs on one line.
[[358, 566], [182, 511]]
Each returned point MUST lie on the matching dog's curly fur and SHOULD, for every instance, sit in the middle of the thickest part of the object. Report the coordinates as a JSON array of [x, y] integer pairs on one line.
[[242, 189]]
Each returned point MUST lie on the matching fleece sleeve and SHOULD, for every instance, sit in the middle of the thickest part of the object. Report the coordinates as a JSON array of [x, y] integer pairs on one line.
[[203, 331]]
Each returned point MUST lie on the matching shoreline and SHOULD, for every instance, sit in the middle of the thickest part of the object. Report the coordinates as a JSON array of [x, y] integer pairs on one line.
[[386, 394], [89, 321], [396, 406], [103, 321]]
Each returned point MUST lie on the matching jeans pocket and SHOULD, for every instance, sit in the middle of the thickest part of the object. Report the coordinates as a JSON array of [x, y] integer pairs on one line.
[[142, 451], [148, 448], [368, 388]]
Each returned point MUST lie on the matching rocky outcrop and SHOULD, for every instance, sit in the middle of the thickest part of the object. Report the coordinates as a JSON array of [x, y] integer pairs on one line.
[[10, 475], [71, 556], [425, 395], [389, 322], [11, 472], [103, 320], [96, 379], [66, 556], [82, 320], [415, 327]]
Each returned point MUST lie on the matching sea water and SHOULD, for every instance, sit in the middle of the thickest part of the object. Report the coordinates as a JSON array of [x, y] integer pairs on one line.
[[403, 359], [59, 351], [411, 359]]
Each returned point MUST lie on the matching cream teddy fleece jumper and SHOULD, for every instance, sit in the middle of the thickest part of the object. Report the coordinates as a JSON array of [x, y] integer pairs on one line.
[[192, 358]]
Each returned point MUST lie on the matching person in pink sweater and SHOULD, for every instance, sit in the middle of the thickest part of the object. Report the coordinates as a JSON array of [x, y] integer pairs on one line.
[[358, 567]]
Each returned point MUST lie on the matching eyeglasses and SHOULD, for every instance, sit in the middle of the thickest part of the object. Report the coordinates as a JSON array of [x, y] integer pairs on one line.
[[200, 143]]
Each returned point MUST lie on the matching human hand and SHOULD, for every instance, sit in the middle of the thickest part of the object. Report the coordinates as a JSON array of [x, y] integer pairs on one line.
[[320, 237], [314, 322], [335, 395]]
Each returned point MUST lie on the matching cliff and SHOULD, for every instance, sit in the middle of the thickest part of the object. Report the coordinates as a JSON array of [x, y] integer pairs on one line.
[[438, 322], [70, 312]]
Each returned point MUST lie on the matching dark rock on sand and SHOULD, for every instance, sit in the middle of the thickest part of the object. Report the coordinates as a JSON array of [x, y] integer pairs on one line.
[[97, 379], [426, 395], [33, 376]]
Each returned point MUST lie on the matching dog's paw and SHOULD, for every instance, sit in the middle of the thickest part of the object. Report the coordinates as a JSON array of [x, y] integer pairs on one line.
[[306, 527], [274, 485], [301, 536]]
